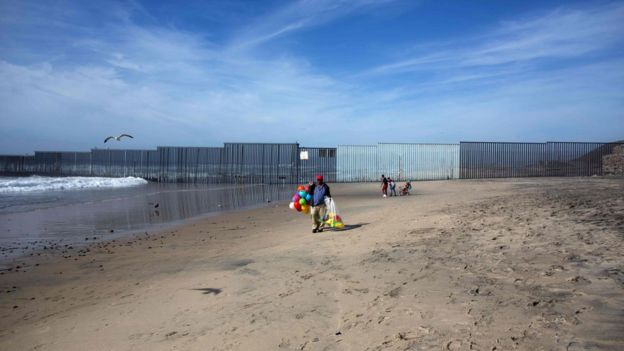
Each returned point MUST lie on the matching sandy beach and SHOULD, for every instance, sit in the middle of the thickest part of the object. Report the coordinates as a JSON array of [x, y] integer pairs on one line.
[[526, 264]]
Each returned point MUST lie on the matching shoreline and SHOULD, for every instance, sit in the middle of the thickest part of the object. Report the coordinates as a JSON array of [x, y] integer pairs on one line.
[[525, 264], [56, 246], [82, 216]]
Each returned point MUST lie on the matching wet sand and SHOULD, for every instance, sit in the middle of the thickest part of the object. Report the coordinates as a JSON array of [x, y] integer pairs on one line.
[[56, 220], [527, 264]]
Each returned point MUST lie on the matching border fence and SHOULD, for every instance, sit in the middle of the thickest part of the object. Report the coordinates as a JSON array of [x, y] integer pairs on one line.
[[511, 160], [258, 163], [314, 161], [366, 163]]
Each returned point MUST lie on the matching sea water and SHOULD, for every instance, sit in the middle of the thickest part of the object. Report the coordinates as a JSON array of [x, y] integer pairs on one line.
[[37, 211], [34, 184]]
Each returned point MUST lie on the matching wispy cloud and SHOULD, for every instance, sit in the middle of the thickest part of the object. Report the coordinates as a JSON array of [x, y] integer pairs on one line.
[[300, 15], [560, 34]]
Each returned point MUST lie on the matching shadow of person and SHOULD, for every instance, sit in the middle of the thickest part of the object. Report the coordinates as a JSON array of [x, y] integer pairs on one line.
[[351, 227], [208, 291]]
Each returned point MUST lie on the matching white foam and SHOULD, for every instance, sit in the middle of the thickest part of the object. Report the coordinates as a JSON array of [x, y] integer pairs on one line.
[[37, 183]]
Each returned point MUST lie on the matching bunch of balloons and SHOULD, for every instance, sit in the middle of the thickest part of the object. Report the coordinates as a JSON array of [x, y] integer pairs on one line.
[[302, 199]]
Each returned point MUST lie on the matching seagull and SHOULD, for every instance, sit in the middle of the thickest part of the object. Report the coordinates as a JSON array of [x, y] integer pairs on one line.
[[118, 138]]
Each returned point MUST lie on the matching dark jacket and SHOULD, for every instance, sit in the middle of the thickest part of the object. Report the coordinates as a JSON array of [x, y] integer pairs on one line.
[[319, 192]]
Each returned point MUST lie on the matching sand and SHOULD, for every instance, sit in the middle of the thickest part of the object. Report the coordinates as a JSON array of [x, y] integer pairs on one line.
[[526, 264]]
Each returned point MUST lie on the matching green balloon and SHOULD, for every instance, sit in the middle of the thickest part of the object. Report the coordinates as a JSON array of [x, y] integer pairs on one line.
[[302, 201]]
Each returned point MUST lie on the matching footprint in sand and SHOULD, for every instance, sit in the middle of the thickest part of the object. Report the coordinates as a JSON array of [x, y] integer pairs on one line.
[[454, 345]]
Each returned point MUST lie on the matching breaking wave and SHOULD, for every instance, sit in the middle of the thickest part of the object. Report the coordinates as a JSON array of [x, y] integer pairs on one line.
[[38, 183]]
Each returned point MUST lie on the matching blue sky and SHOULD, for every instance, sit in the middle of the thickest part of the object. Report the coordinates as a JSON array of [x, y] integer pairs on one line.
[[321, 73]]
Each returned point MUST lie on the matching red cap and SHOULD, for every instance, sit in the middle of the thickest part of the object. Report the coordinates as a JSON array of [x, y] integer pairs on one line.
[[319, 177]]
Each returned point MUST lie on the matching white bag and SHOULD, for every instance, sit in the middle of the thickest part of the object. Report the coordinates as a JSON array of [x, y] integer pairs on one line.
[[332, 218], [331, 205]]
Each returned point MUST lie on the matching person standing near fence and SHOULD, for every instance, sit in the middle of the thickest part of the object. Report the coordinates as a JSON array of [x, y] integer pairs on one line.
[[319, 192], [392, 187], [384, 186]]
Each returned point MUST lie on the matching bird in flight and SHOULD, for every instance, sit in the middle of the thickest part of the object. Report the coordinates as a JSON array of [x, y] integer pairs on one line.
[[118, 138]]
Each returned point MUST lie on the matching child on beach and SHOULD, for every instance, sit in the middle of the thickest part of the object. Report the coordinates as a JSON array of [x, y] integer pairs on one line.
[[405, 190], [384, 186], [392, 187]]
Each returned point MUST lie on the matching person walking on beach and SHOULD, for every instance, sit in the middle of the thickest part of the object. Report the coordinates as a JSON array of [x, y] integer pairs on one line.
[[392, 187], [384, 186], [319, 192]]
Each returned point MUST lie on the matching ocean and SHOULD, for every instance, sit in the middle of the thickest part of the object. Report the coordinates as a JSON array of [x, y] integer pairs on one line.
[[37, 212]]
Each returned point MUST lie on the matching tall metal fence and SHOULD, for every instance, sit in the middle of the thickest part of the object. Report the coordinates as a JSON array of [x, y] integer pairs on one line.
[[356, 163], [419, 161], [75, 163], [16, 164], [252, 163], [509, 160], [366, 163], [189, 164], [125, 163], [255, 163], [314, 161]]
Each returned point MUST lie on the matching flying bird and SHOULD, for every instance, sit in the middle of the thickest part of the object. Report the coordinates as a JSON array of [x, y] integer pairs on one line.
[[118, 138]]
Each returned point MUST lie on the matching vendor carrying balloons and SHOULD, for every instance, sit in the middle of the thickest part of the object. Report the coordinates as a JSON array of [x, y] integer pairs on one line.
[[319, 192]]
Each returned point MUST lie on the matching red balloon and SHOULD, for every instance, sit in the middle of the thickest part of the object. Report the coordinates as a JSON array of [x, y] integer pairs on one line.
[[297, 207], [307, 189], [300, 187]]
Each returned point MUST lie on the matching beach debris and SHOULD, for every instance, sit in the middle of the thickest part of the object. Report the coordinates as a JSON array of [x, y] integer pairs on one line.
[[339, 333], [118, 138]]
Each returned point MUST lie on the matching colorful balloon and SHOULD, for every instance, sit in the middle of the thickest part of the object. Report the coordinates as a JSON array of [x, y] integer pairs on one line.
[[308, 197], [302, 193], [302, 201], [307, 189], [297, 206], [291, 205], [296, 198], [300, 187]]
